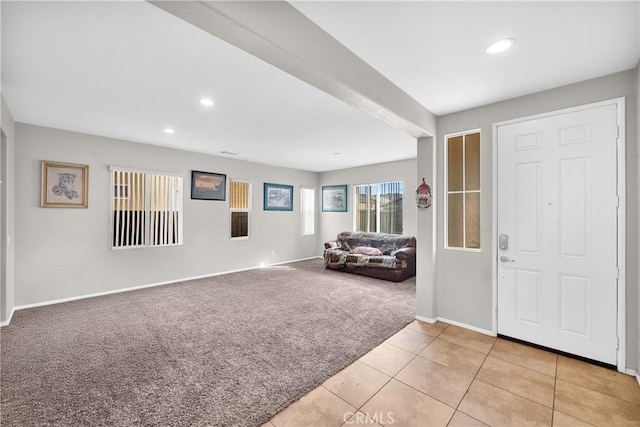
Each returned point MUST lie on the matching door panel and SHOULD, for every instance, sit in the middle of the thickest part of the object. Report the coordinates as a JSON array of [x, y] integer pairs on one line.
[[574, 305], [575, 221], [557, 202], [528, 192], [528, 297]]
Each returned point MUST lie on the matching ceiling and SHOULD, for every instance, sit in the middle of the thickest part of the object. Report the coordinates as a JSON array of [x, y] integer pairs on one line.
[[128, 70]]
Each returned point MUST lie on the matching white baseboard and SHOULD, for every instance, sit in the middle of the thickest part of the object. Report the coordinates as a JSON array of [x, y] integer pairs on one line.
[[151, 285], [6, 322], [465, 326], [426, 319], [633, 373]]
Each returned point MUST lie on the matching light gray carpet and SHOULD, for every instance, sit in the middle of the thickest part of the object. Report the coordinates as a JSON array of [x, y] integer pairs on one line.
[[223, 351]]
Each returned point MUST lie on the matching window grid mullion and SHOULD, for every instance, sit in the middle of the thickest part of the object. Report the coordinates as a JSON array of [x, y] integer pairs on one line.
[[464, 191]]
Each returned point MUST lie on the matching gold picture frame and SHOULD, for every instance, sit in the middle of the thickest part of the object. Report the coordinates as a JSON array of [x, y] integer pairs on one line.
[[64, 185]]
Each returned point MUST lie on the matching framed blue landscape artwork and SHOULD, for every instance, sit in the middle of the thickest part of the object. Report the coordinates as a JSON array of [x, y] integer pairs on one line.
[[334, 198], [278, 197]]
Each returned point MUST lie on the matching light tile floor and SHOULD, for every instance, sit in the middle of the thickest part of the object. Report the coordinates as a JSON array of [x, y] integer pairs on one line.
[[443, 375]]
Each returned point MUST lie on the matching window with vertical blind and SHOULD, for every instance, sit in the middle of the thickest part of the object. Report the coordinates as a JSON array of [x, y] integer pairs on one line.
[[462, 204], [307, 210], [240, 207], [146, 209], [378, 207]]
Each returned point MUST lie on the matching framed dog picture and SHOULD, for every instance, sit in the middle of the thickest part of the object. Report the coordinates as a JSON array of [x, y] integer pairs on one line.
[[64, 185]]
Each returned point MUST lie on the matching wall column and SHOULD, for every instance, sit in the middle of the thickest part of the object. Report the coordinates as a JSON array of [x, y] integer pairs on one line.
[[426, 226]]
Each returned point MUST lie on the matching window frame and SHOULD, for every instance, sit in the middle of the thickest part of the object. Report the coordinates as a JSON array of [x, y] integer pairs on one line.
[[304, 188], [464, 192], [248, 210], [356, 196], [146, 200]]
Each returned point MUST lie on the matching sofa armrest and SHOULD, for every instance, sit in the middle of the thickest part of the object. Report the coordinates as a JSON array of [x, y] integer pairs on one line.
[[330, 244], [405, 253]]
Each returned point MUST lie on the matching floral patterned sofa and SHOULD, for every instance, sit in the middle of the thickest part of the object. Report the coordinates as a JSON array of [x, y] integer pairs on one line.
[[383, 256]]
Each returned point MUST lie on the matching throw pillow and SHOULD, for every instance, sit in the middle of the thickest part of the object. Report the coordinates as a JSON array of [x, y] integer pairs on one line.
[[389, 248], [367, 250], [343, 245]]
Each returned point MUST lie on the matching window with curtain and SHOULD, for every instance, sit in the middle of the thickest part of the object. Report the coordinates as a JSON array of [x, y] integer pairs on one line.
[[462, 204], [378, 207], [146, 209], [307, 210], [240, 207]]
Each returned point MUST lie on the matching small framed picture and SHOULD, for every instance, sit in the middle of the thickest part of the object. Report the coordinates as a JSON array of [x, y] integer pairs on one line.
[[334, 198], [64, 185], [278, 197], [208, 185]]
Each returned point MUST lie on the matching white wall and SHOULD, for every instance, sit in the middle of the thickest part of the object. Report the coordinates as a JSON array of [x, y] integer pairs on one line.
[[8, 252], [426, 302], [332, 223], [464, 279], [63, 253], [637, 366]]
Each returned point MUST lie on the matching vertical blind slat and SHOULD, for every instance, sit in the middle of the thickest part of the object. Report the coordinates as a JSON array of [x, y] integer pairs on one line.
[[151, 209], [127, 209], [133, 196], [116, 210]]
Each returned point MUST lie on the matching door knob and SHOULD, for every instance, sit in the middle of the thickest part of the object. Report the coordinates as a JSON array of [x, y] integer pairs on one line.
[[505, 258]]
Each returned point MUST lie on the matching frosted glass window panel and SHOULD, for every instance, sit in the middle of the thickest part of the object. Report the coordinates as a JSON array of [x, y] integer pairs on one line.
[[454, 164], [472, 220], [472, 162], [455, 223]]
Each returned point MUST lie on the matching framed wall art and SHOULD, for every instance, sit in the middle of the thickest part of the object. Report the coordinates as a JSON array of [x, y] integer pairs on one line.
[[278, 197], [334, 198], [64, 185], [208, 185]]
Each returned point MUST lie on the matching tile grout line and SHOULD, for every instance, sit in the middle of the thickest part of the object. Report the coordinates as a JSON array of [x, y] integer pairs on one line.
[[555, 383], [392, 377], [513, 392], [455, 409], [474, 378], [591, 388], [400, 370]]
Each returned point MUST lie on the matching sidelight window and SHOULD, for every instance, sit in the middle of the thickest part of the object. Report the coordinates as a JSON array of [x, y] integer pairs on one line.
[[462, 183]]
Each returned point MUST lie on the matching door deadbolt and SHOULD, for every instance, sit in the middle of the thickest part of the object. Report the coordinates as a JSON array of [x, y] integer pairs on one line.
[[503, 242]]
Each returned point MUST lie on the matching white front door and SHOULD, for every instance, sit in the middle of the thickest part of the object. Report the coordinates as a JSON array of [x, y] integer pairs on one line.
[[557, 232]]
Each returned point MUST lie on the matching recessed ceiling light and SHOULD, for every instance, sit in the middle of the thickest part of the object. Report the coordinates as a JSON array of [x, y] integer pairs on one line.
[[500, 46], [169, 130], [206, 102]]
